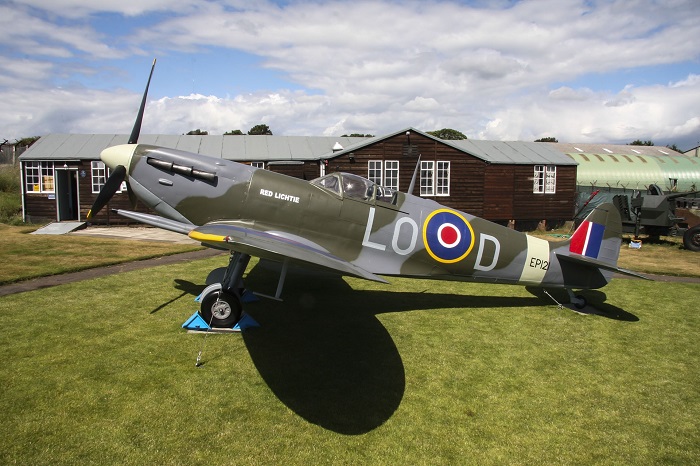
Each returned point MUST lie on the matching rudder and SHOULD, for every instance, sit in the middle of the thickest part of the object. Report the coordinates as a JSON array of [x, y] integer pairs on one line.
[[598, 236]]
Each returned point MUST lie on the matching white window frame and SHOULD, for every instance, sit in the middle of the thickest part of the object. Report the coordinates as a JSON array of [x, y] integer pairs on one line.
[[435, 178], [442, 178], [260, 165], [391, 174], [39, 175], [545, 179], [375, 171], [427, 178], [384, 173], [99, 173], [550, 179]]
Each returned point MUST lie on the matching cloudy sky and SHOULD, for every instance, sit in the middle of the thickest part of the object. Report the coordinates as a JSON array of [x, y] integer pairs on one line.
[[579, 70]]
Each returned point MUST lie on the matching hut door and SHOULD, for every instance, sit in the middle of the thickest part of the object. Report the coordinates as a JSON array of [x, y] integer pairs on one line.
[[67, 195]]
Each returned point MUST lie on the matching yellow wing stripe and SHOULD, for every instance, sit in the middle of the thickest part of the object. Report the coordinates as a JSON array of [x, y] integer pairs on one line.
[[206, 237]]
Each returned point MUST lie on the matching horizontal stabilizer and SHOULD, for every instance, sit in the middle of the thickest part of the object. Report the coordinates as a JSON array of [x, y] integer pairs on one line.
[[596, 264], [157, 221]]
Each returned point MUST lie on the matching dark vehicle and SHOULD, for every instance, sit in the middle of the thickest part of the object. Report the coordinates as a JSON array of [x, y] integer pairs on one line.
[[657, 214]]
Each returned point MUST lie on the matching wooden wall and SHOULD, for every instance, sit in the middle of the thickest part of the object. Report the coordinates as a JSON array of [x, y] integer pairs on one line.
[[41, 207], [496, 192]]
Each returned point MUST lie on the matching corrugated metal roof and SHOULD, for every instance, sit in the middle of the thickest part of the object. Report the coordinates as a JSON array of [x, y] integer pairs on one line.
[[243, 147], [568, 148], [499, 152], [637, 172], [513, 152]]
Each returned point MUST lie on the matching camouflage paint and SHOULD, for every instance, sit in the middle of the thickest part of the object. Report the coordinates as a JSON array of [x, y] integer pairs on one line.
[[268, 214]]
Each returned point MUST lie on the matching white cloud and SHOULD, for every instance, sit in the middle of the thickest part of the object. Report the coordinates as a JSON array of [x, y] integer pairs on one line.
[[374, 67]]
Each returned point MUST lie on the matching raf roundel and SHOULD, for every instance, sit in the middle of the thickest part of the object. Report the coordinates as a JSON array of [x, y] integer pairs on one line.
[[448, 236]]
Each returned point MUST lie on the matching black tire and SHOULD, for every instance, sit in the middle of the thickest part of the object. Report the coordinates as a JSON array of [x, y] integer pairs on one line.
[[222, 309], [580, 302], [691, 238]]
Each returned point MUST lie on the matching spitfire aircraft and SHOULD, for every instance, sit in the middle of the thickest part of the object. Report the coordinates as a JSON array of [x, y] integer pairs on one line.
[[343, 223]]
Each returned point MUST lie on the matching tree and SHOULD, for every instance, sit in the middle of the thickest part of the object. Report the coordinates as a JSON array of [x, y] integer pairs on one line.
[[235, 132], [262, 130], [357, 135], [198, 132], [547, 139], [27, 141], [447, 133], [637, 142], [674, 147]]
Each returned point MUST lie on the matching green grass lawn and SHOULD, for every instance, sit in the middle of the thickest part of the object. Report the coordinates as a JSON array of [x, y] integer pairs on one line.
[[24, 256], [349, 372]]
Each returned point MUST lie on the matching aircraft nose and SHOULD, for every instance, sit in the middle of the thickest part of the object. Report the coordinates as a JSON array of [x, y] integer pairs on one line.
[[118, 155]]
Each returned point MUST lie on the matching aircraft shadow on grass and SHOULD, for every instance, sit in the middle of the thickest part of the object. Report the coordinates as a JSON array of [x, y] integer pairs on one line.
[[327, 357]]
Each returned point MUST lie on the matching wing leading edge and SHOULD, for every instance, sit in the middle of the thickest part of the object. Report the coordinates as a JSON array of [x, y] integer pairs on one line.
[[275, 246]]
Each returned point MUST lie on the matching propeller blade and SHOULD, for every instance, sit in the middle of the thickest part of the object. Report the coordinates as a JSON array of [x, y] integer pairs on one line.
[[136, 130], [132, 197], [110, 187]]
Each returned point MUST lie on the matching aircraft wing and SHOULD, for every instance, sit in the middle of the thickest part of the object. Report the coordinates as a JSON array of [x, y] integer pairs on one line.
[[276, 246], [157, 221], [596, 264]]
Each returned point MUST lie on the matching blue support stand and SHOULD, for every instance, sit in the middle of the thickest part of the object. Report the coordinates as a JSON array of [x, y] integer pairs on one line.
[[196, 323]]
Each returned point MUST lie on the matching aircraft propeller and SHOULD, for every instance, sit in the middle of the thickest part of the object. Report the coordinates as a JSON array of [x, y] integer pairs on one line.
[[110, 187], [119, 173]]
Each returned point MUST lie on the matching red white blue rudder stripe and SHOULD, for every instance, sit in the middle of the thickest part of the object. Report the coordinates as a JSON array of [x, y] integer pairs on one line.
[[587, 239]]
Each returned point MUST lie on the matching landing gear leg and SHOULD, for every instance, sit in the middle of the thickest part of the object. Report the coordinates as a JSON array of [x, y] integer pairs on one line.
[[221, 307]]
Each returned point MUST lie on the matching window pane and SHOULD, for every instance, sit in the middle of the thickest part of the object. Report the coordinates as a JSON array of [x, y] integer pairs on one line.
[[551, 179], [426, 178], [98, 175], [374, 171], [47, 177], [391, 174], [31, 176], [443, 179], [538, 179]]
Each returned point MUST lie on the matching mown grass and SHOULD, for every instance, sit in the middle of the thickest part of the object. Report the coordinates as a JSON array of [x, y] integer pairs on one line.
[[24, 256], [346, 371]]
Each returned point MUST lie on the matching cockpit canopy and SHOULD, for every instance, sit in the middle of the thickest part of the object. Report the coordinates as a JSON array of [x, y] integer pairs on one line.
[[353, 186]]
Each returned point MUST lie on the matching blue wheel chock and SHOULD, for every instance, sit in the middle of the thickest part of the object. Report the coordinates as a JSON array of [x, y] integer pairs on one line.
[[195, 322]]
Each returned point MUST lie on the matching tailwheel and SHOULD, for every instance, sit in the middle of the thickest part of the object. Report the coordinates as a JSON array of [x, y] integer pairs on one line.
[[221, 309], [579, 302]]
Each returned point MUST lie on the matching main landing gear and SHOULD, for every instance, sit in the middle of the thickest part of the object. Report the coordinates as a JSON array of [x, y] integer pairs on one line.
[[221, 302]]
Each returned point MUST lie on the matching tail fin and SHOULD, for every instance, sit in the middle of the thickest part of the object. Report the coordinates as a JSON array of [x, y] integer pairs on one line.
[[596, 243], [598, 236]]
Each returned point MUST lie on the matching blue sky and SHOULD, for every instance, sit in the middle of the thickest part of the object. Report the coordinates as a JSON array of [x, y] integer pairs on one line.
[[582, 71]]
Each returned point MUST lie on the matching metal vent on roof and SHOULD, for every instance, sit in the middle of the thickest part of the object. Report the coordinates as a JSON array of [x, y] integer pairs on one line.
[[663, 152], [607, 150], [580, 150], [635, 151], [337, 147]]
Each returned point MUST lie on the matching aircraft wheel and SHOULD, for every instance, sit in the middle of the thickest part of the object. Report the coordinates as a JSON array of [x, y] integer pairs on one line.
[[580, 302], [221, 309], [691, 239]]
